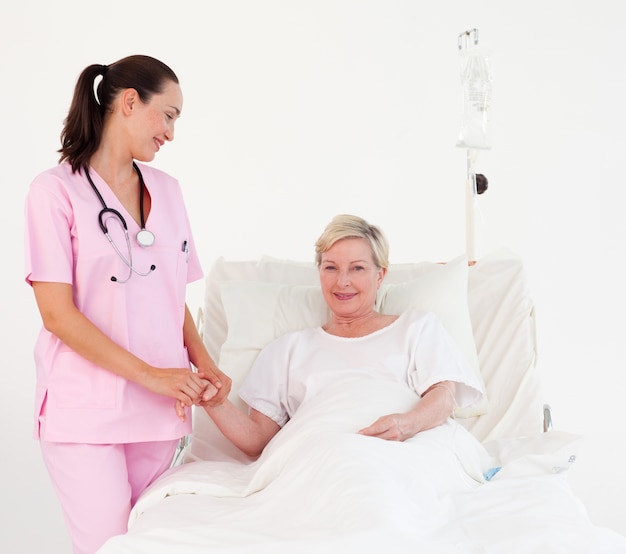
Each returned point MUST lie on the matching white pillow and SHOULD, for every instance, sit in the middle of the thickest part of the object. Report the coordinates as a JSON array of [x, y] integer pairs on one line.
[[258, 312]]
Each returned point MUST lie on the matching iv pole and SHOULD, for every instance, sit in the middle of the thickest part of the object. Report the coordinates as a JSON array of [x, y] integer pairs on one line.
[[471, 187]]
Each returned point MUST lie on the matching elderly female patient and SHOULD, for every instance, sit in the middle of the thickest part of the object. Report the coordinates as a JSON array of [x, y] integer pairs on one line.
[[412, 348]]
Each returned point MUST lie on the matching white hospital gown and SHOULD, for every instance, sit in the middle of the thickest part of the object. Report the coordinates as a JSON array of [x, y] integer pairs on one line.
[[415, 350]]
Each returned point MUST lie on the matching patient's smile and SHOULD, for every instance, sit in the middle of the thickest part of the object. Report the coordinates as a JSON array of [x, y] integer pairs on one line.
[[344, 295]]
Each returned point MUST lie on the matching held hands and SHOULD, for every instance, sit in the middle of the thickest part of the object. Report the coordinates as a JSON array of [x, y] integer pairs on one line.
[[180, 383], [216, 387], [210, 387]]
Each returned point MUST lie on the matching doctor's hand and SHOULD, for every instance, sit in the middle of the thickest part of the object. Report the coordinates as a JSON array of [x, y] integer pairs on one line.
[[217, 389], [182, 384]]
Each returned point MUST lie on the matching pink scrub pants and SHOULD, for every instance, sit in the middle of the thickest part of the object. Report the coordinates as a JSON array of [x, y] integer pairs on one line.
[[98, 484]]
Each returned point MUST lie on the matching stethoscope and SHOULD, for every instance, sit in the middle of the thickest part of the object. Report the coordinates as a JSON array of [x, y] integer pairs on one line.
[[144, 237]]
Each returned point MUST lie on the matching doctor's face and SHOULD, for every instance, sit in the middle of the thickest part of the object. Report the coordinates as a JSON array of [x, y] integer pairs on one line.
[[349, 278], [154, 121]]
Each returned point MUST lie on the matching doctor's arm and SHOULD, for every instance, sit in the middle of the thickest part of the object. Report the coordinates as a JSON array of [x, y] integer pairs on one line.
[[61, 317]]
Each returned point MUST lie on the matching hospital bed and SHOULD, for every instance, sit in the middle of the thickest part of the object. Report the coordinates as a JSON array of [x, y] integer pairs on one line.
[[306, 495]]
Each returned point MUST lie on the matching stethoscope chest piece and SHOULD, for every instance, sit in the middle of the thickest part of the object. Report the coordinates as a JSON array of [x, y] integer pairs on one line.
[[145, 237]]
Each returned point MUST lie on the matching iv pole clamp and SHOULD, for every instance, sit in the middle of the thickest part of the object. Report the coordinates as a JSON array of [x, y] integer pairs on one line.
[[474, 135]]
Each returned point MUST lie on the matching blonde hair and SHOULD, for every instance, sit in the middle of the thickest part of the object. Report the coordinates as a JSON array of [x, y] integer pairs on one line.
[[347, 226]]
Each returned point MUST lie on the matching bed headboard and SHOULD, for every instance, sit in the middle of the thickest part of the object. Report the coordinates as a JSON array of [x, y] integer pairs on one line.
[[486, 306]]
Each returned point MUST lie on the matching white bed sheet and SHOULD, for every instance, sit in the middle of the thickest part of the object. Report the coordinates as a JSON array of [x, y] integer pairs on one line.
[[320, 487]]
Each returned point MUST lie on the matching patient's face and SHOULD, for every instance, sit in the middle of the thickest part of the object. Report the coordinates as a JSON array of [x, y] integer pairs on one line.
[[349, 278]]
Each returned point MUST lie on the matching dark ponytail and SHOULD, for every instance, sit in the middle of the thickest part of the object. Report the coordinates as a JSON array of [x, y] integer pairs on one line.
[[82, 131]]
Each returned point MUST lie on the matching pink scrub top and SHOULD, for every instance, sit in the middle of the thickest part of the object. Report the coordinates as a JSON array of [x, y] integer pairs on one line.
[[64, 243]]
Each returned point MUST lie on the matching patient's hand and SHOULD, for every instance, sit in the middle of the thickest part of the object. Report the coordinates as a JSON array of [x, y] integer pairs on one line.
[[209, 393], [217, 387], [434, 408], [208, 397], [179, 405], [394, 427]]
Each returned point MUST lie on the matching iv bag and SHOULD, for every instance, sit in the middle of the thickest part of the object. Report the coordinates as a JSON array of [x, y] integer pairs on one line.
[[476, 80]]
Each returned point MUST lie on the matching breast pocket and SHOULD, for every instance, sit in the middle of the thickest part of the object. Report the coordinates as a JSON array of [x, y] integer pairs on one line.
[[183, 258]]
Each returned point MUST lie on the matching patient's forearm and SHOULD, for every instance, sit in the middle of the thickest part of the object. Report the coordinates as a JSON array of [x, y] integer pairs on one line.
[[435, 407], [249, 433]]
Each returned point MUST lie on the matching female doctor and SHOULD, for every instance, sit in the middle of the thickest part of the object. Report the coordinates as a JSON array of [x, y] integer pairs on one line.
[[109, 252]]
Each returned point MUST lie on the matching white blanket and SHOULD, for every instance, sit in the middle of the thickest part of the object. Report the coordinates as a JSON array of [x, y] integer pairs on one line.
[[320, 487]]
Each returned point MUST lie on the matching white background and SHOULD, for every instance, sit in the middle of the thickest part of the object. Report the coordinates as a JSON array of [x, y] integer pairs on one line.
[[298, 110]]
